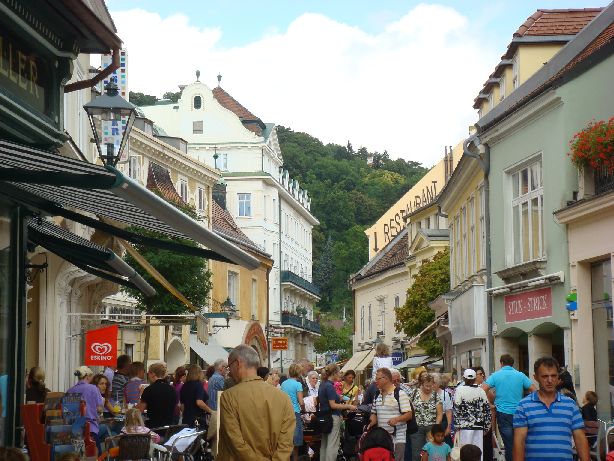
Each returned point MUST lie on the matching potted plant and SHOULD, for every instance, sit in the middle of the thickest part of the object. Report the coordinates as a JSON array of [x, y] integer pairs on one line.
[[593, 146]]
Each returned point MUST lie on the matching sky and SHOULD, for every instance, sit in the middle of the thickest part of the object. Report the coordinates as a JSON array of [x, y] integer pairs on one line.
[[390, 75]]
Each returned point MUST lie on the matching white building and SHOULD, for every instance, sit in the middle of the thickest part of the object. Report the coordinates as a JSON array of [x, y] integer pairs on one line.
[[267, 205]]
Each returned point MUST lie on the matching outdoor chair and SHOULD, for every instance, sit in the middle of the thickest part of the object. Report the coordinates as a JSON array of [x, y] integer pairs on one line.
[[595, 432], [127, 447], [166, 432]]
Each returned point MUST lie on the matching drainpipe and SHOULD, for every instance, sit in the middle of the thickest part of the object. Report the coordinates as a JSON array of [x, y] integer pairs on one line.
[[90, 82], [484, 162]]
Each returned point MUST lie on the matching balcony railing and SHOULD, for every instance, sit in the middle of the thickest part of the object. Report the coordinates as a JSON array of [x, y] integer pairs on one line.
[[291, 277], [604, 181], [300, 322]]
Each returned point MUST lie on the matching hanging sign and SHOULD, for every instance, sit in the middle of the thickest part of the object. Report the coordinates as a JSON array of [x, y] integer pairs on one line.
[[279, 344], [529, 305], [101, 346]]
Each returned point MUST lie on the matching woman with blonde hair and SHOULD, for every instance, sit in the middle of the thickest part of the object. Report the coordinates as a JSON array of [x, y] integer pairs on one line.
[[382, 359], [294, 388], [35, 386], [273, 378], [331, 402], [428, 410], [193, 397]]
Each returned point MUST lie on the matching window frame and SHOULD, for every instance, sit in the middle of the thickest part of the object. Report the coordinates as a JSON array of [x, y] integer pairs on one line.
[[198, 127], [233, 291], [370, 323], [138, 159], [471, 238], [244, 204], [182, 189], [482, 195], [502, 89], [362, 322], [515, 72], [201, 199], [254, 306]]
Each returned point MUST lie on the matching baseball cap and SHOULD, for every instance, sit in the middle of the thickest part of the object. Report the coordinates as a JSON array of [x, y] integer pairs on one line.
[[469, 374]]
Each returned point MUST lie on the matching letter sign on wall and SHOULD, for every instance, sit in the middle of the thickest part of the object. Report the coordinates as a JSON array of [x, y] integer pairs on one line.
[[279, 344], [101, 346], [529, 305]]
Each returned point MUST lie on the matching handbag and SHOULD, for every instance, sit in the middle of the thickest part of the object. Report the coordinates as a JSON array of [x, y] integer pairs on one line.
[[455, 453], [323, 422]]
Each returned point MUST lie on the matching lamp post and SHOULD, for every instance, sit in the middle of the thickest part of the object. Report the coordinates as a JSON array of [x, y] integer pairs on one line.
[[111, 118], [229, 307]]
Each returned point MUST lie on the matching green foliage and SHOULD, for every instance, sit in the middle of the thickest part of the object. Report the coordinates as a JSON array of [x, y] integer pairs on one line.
[[173, 96], [189, 274], [140, 99], [433, 280], [348, 196], [334, 339]]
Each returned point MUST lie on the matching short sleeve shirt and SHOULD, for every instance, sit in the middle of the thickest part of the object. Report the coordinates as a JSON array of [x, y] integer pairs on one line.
[[549, 429], [191, 391], [386, 407], [426, 411], [160, 399], [92, 397], [327, 392], [510, 385], [292, 387], [437, 452], [216, 384]]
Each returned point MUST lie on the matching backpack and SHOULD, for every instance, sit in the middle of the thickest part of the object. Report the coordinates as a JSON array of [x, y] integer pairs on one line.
[[376, 438], [412, 426]]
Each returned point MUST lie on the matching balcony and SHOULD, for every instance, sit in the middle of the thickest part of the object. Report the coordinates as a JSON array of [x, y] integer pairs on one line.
[[300, 283], [604, 181], [289, 319]]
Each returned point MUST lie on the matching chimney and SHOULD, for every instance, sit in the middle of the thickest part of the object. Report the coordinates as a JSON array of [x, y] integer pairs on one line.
[[219, 193]]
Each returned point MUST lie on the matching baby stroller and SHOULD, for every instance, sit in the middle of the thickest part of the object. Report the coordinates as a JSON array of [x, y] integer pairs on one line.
[[355, 424], [376, 445]]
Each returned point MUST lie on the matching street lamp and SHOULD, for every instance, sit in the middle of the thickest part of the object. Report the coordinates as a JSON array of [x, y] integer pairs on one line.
[[111, 118], [228, 307]]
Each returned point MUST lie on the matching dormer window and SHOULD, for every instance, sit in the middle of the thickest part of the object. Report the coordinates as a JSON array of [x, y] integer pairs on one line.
[[515, 72], [198, 102]]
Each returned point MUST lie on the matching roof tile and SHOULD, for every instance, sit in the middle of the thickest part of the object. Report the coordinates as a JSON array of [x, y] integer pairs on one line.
[[248, 119], [159, 180], [395, 256], [557, 22]]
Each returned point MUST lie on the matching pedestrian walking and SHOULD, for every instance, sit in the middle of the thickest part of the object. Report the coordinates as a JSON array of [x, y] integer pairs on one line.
[[429, 411], [158, 398], [546, 420], [330, 401], [257, 421], [293, 387], [471, 411], [391, 410], [509, 385]]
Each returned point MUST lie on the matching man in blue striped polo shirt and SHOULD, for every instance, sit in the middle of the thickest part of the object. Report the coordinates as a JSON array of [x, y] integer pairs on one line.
[[545, 421]]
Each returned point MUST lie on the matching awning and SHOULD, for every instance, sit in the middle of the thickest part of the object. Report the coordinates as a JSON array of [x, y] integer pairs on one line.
[[413, 341], [355, 360], [412, 362], [208, 352], [92, 258], [76, 190], [366, 361]]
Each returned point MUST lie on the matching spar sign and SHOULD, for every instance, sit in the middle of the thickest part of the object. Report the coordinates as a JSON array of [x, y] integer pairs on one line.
[[101, 346]]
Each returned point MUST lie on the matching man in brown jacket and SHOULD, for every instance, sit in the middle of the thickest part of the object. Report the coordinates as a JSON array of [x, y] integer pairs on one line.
[[256, 420]]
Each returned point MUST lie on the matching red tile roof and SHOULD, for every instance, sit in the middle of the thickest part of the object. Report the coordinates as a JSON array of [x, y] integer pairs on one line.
[[396, 253], [248, 119], [557, 22], [224, 224], [159, 180]]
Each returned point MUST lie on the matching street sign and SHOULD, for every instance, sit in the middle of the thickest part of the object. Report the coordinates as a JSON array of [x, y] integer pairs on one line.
[[279, 344]]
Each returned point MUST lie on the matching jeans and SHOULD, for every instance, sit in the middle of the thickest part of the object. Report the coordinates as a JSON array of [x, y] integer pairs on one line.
[[506, 429], [417, 441], [329, 447]]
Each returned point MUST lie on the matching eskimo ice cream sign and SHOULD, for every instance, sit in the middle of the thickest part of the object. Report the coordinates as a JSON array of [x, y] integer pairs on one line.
[[529, 305]]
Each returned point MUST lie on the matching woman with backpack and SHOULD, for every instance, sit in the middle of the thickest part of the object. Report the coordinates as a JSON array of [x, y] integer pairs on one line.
[[428, 411], [330, 410]]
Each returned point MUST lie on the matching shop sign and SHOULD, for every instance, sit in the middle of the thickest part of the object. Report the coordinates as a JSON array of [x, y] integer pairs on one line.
[[24, 73], [397, 358], [101, 346], [529, 305], [279, 344]]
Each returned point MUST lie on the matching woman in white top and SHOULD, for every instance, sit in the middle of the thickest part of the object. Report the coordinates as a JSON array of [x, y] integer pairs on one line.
[[382, 359], [313, 383]]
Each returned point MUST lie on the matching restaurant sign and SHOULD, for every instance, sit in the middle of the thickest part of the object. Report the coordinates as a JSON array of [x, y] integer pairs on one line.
[[529, 305], [101, 346], [24, 73]]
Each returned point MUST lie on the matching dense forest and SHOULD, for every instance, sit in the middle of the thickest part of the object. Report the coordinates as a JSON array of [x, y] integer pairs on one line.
[[348, 196]]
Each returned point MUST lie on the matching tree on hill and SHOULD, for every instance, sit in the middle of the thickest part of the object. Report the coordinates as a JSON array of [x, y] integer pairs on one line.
[[432, 280], [140, 99], [335, 340], [173, 96]]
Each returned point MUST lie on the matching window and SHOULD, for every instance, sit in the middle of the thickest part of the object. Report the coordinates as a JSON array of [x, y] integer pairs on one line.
[[201, 200], [457, 249], [134, 167], [224, 162], [491, 101], [471, 243], [197, 127], [527, 213], [245, 205], [129, 350], [254, 299], [183, 189], [465, 253], [515, 72], [502, 87], [264, 203], [362, 322], [275, 211], [397, 302], [453, 249], [233, 288], [275, 255], [198, 102], [382, 316], [480, 112], [482, 195], [370, 323], [427, 222]]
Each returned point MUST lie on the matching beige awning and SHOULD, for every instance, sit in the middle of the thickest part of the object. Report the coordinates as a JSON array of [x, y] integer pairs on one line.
[[366, 361], [355, 360]]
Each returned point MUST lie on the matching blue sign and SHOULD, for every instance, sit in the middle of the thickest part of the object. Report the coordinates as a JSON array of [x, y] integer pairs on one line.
[[397, 358]]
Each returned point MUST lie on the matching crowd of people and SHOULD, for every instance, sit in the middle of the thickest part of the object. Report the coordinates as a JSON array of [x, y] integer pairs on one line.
[[264, 412]]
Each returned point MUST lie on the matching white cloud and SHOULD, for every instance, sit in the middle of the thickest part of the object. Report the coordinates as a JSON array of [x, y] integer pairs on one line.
[[408, 89]]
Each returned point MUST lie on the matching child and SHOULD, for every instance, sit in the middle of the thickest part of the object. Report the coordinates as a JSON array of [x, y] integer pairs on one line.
[[589, 406], [382, 359], [470, 453], [134, 425], [436, 450]]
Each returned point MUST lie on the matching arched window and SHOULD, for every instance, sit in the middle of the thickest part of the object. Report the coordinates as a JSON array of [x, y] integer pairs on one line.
[[198, 102]]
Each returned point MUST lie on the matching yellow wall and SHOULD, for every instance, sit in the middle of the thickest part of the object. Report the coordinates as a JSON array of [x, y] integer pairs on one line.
[[531, 58]]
